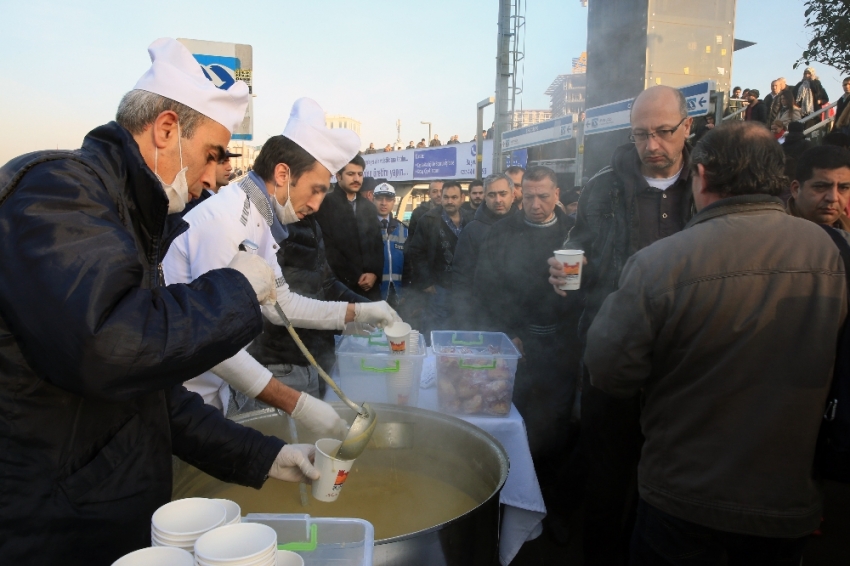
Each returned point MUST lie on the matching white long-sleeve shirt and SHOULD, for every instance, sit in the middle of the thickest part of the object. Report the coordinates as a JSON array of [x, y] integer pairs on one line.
[[217, 227]]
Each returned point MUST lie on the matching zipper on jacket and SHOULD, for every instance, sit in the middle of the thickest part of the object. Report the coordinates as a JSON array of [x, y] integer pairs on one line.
[[831, 409]]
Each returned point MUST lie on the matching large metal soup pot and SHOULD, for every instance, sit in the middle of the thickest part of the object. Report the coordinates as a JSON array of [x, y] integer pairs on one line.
[[414, 440]]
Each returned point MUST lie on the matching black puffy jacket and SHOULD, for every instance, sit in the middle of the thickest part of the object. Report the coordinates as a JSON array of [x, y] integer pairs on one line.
[[430, 251], [467, 301], [302, 259], [93, 352], [353, 241], [608, 226]]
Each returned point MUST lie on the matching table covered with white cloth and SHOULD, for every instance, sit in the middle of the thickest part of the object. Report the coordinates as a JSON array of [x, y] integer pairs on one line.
[[524, 509]]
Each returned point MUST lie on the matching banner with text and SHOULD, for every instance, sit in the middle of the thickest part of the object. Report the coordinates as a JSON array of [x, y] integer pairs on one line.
[[538, 134], [455, 161], [615, 116]]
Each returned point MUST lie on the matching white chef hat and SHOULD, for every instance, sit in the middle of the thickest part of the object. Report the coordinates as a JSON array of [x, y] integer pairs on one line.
[[175, 74], [333, 148]]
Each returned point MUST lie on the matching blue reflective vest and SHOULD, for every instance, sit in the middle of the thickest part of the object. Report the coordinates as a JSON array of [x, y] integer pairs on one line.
[[394, 238]]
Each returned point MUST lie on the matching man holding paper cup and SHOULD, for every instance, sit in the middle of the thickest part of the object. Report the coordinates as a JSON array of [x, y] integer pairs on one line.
[[642, 197]]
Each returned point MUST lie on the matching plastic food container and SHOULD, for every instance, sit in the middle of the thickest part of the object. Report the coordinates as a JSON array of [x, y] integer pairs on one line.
[[320, 541], [367, 371], [475, 372]]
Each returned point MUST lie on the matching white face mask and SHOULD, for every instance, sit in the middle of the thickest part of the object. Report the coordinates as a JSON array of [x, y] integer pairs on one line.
[[285, 213], [178, 191]]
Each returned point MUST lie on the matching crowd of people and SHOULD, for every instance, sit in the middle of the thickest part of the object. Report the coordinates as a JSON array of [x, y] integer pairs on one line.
[[434, 142], [676, 397]]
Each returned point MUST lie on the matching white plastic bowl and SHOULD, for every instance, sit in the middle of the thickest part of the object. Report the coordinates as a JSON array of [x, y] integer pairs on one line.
[[240, 544], [270, 560], [156, 556], [234, 512], [188, 517], [288, 558], [175, 541], [188, 547]]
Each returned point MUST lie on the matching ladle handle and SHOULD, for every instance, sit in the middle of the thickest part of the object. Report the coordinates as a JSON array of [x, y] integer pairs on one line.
[[315, 364], [251, 247]]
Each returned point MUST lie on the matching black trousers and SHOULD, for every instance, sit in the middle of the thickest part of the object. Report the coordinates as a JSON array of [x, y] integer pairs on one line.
[[660, 539], [544, 393], [611, 441]]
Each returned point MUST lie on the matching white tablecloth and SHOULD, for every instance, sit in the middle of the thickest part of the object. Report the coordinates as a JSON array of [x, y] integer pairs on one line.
[[524, 508]]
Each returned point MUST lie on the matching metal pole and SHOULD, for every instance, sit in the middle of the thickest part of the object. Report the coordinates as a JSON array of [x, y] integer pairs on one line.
[[579, 154], [719, 106], [479, 141], [429, 130], [503, 74]]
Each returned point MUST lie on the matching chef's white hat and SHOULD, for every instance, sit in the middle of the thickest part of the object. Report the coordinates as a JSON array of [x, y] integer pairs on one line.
[[175, 74], [333, 148]]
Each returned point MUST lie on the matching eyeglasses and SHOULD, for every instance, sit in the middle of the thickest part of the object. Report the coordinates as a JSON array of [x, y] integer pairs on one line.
[[662, 134]]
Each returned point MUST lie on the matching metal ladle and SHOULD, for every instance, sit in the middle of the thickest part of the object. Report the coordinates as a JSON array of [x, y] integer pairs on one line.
[[363, 427]]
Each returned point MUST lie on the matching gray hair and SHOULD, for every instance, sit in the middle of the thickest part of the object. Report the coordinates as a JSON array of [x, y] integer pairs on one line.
[[140, 108], [490, 179]]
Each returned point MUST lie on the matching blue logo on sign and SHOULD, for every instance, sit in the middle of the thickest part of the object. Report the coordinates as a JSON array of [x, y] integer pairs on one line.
[[221, 76]]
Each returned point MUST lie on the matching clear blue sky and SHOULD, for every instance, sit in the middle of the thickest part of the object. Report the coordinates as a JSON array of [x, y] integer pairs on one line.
[[67, 64]]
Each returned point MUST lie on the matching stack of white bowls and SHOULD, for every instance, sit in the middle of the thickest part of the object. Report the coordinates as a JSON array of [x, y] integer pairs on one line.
[[244, 544], [180, 523], [232, 510], [163, 556]]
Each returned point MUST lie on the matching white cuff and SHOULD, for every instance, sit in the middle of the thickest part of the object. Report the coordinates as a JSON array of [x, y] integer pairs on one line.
[[244, 373]]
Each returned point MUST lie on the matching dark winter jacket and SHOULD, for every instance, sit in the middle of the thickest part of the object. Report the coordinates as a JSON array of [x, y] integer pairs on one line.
[[302, 260], [466, 297], [353, 243], [794, 146], [416, 215], [818, 93], [430, 251], [757, 112], [93, 353], [512, 276], [729, 327], [608, 227]]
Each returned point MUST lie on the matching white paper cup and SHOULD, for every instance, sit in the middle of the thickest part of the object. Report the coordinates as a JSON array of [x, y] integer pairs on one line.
[[400, 384], [233, 511], [413, 342], [334, 471], [398, 333], [186, 518], [573, 261], [288, 558], [156, 556], [242, 544]]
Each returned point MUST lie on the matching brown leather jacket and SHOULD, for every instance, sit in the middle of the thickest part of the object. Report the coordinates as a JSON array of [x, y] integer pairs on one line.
[[729, 328]]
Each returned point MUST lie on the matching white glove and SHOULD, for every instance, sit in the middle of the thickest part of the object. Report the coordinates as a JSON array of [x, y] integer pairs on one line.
[[378, 314], [259, 274], [319, 417], [294, 463]]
